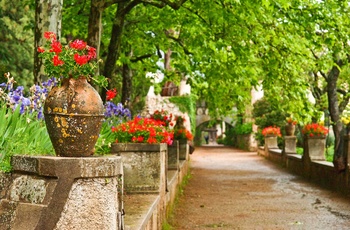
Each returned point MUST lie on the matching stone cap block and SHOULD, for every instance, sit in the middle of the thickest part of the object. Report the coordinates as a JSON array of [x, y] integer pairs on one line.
[[83, 167], [138, 147]]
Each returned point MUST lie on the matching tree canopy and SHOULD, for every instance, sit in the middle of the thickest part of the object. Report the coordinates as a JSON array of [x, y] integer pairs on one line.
[[224, 47]]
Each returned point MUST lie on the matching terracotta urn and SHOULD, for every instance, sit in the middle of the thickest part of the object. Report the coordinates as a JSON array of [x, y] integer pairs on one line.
[[74, 114]]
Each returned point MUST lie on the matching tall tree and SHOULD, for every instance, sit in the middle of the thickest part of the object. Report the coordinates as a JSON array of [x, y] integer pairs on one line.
[[48, 16]]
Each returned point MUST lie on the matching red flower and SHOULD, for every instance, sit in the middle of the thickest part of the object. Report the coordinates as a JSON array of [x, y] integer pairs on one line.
[[41, 49], [56, 47], [50, 35], [91, 52], [314, 129], [81, 60], [110, 94], [57, 61], [271, 131], [78, 44], [142, 130]]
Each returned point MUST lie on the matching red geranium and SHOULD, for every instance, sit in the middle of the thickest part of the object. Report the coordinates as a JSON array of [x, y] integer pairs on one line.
[[110, 94], [76, 59], [314, 129], [182, 134], [142, 130], [272, 130], [163, 117]]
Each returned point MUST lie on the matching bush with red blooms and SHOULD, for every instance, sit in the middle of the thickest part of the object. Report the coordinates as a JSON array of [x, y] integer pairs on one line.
[[142, 130], [76, 59], [291, 121], [314, 130], [180, 132], [163, 117], [271, 131], [183, 134]]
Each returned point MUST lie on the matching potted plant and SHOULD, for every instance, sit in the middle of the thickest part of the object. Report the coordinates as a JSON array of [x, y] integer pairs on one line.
[[271, 133], [73, 109], [184, 137], [315, 140], [290, 126]]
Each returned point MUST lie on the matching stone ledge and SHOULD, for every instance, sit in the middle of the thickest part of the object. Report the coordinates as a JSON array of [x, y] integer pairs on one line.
[[275, 150], [295, 156], [147, 211], [139, 209], [90, 167]]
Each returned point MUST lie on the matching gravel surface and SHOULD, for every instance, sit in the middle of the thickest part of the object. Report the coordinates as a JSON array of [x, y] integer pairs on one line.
[[233, 189]]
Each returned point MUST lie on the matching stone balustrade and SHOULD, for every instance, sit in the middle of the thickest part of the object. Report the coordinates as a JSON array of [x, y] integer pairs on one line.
[[133, 190]]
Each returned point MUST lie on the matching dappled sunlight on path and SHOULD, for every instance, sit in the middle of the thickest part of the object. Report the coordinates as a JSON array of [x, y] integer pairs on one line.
[[233, 189]]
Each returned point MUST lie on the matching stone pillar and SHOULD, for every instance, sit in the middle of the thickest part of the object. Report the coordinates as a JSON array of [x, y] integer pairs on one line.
[[145, 166], [63, 193], [271, 142], [290, 144], [347, 149], [173, 156], [314, 148], [183, 150]]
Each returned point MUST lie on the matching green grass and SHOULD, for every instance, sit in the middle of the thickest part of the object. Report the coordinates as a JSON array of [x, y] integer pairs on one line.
[[170, 215]]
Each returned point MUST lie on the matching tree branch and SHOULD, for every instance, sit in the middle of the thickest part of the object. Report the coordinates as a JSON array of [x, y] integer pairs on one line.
[[179, 41], [140, 58]]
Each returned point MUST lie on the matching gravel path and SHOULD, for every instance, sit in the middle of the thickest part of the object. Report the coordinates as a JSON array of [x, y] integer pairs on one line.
[[233, 189]]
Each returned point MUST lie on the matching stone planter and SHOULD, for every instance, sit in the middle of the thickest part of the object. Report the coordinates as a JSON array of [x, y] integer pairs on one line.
[[173, 156], [144, 165], [271, 142], [315, 147], [183, 150]]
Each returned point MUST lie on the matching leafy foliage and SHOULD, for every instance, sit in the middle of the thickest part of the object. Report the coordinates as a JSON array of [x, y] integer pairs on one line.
[[21, 134], [17, 40]]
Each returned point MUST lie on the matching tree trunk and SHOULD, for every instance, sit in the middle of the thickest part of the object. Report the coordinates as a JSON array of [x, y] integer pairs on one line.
[[114, 44], [48, 17], [94, 27], [127, 85], [333, 105], [167, 59]]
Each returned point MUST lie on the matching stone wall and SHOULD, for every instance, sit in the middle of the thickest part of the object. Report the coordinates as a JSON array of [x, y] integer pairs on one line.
[[157, 102], [44, 193], [315, 169]]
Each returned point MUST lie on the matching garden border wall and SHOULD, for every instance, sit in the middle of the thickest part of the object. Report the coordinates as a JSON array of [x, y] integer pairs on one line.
[[320, 172]]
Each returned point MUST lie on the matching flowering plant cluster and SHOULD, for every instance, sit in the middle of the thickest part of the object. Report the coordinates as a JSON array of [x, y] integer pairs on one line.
[[13, 97], [314, 129], [271, 130], [182, 134], [115, 113], [345, 120], [142, 130], [75, 60], [291, 121], [163, 117]]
